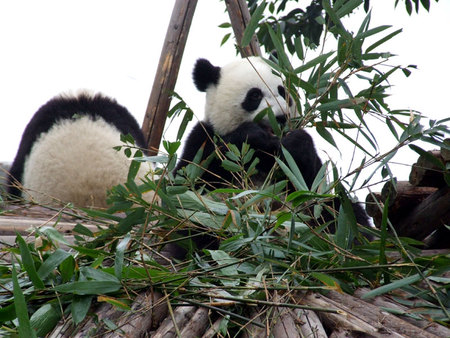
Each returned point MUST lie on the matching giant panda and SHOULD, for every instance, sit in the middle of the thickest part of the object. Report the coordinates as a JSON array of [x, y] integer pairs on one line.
[[235, 94], [66, 151]]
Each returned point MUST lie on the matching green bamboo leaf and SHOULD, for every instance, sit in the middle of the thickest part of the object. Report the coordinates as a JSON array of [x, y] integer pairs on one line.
[[52, 262], [274, 123], [341, 104], [314, 62], [292, 172], [53, 234], [80, 307], [44, 319], [325, 134], [299, 48], [231, 166], [253, 24], [346, 225], [370, 32], [25, 330], [28, 263], [392, 286], [348, 7], [339, 27], [7, 313], [67, 268], [279, 46], [188, 115], [82, 230], [383, 236], [120, 251], [89, 287], [383, 40]]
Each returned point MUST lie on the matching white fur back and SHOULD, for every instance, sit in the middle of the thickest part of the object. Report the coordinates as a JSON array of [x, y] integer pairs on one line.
[[74, 162], [223, 101]]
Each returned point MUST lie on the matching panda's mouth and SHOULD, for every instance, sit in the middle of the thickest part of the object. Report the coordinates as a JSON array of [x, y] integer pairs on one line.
[[265, 124]]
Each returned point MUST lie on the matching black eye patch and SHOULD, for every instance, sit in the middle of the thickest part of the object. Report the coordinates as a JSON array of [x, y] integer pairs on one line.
[[252, 99], [282, 93]]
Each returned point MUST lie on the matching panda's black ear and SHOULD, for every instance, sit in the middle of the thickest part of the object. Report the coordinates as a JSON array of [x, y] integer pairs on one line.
[[205, 74]]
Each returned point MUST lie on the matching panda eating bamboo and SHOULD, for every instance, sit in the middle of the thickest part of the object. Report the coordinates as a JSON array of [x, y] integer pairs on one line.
[[235, 95]]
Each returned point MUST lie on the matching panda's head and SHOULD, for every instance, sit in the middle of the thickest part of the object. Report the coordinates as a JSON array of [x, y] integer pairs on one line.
[[237, 92]]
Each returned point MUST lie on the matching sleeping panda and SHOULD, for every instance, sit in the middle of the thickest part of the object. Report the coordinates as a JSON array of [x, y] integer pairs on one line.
[[66, 152], [235, 94]]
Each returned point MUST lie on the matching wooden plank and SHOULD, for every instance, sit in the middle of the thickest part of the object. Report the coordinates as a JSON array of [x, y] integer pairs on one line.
[[9, 225], [429, 215], [167, 73], [239, 17]]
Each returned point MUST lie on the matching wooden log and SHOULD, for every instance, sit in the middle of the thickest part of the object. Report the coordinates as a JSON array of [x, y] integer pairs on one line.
[[197, 325], [428, 216], [403, 194], [285, 325], [9, 225], [426, 173], [310, 326], [148, 310], [358, 316], [170, 325], [239, 17], [213, 330], [445, 153], [167, 73]]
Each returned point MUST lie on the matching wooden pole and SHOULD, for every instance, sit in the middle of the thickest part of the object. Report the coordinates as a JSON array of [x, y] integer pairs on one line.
[[239, 17], [167, 73]]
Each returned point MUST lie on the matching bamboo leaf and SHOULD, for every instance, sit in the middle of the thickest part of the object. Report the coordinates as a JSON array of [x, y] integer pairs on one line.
[[253, 24], [120, 250], [314, 62], [392, 286], [52, 262], [80, 307], [91, 287], [25, 330], [44, 319], [383, 40], [28, 263]]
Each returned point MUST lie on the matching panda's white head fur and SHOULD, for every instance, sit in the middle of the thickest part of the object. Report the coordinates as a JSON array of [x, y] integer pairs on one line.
[[237, 92]]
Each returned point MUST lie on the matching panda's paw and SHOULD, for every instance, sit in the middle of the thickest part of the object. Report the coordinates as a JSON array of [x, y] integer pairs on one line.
[[297, 138]]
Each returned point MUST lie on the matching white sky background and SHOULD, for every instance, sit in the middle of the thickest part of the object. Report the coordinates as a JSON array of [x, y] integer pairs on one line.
[[49, 47]]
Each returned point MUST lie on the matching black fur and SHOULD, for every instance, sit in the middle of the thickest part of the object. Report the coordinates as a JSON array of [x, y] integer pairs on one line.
[[205, 74], [260, 137], [60, 108], [252, 99], [297, 142]]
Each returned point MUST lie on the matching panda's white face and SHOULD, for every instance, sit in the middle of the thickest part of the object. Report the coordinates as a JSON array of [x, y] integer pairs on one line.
[[243, 89]]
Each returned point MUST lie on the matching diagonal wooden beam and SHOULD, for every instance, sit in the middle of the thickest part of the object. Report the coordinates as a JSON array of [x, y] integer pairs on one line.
[[167, 73], [239, 17]]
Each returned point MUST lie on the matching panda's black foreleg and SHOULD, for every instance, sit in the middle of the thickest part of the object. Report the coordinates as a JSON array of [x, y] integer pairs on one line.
[[301, 147], [265, 144]]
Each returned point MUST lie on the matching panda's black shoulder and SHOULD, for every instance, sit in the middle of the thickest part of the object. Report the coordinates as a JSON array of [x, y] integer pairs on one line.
[[201, 135]]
